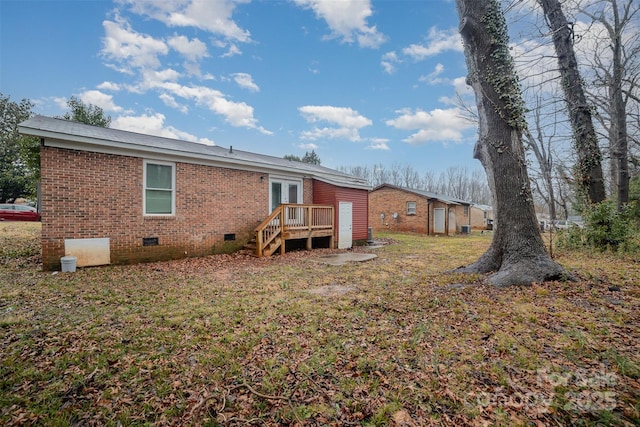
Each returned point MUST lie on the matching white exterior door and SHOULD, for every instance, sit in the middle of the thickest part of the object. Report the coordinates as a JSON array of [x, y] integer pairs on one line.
[[438, 220], [345, 227]]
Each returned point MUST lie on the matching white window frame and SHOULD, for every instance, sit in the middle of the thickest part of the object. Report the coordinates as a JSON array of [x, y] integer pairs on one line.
[[414, 210], [144, 187]]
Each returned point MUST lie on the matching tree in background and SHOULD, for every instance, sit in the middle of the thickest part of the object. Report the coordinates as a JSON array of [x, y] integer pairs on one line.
[[292, 157], [88, 114], [589, 175], [541, 145], [614, 67], [311, 158], [517, 255], [456, 181], [18, 178], [20, 154]]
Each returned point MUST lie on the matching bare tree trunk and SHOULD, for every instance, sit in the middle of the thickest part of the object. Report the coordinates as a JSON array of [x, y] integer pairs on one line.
[[623, 71], [613, 155], [589, 167], [544, 156], [517, 255]]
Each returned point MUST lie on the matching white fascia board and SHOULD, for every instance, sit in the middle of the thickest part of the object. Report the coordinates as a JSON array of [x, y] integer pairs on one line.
[[356, 185]]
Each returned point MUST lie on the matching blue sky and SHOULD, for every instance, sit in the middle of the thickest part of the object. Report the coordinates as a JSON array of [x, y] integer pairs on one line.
[[360, 82]]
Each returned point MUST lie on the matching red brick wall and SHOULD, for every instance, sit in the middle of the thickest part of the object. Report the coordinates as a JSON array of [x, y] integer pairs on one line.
[[387, 201], [307, 191], [90, 195], [478, 219]]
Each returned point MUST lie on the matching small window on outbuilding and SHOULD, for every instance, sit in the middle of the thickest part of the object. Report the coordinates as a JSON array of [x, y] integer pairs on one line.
[[466, 211], [411, 208]]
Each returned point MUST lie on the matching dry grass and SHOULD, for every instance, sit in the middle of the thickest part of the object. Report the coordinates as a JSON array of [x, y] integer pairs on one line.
[[233, 340]]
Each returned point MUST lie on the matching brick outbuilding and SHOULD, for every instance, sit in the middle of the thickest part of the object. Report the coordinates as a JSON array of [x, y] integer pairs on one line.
[[409, 210]]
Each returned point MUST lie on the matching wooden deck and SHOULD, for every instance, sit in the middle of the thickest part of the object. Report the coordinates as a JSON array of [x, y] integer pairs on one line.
[[292, 221]]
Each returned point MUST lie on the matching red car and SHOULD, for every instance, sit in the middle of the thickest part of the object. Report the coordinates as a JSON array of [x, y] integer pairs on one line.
[[10, 212]]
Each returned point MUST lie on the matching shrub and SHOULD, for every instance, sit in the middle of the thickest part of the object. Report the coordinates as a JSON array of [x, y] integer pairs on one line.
[[605, 228]]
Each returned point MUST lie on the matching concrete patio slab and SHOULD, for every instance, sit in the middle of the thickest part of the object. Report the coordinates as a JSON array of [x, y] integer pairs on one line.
[[341, 259]]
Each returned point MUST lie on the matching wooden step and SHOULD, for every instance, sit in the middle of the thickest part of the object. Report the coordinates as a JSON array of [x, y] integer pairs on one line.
[[272, 247]]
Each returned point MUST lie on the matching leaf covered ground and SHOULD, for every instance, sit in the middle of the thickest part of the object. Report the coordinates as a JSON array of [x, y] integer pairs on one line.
[[236, 340]]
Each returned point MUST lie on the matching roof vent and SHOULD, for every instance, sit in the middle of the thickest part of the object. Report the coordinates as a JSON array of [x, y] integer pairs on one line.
[[231, 149]]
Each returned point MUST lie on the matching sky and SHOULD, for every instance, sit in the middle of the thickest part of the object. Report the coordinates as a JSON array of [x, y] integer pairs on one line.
[[360, 82]]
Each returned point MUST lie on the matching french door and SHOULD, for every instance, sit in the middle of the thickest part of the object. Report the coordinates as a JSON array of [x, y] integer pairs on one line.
[[284, 192]]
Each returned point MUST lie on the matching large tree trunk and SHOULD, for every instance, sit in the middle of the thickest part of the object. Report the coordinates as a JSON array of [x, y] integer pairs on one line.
[[619, 116], [589, 167], [517, 255]]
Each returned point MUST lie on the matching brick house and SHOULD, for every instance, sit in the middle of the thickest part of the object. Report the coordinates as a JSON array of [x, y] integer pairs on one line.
[[111, 196], [481, 217], [402, 209]]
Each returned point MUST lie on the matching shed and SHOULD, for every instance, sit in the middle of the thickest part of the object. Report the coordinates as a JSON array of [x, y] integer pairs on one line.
[[403, 209]]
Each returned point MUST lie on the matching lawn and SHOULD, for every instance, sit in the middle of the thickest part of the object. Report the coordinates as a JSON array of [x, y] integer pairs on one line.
[[236, 340]]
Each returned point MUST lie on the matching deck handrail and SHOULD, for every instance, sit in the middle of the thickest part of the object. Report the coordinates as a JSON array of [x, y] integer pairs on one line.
[[292, 218], [268, 230]]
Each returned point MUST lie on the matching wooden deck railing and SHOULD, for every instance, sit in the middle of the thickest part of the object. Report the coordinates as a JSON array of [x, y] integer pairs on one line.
[[292, 221]]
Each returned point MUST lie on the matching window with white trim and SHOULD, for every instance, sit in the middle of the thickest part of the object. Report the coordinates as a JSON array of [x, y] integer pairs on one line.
[[411, 208], [159, 197]]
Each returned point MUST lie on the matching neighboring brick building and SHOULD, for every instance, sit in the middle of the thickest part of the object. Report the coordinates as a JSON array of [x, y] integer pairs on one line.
[[402, 209], [144, 198]]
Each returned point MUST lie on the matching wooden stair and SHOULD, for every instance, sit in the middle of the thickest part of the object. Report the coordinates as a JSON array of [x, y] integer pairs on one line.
[[272, 246], [293, 221]]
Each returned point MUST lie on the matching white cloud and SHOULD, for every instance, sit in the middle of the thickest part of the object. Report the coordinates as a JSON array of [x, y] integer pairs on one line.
[[438, 41], [342, 116], [314, 67], [192, 50], [437, 125], [232, 51], [237, 114], [388, 62], [331, 133], [61, 102], [213, 16], [99, 99], [142, 56], [347, 122], [379, 144], [154, 125], [308, 146], [371, 38], [347, 19], [115, 87], [129, 48], [460, 85], [170, 101], [151, 78], [432, 78], [463, 94], [245, 81]]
